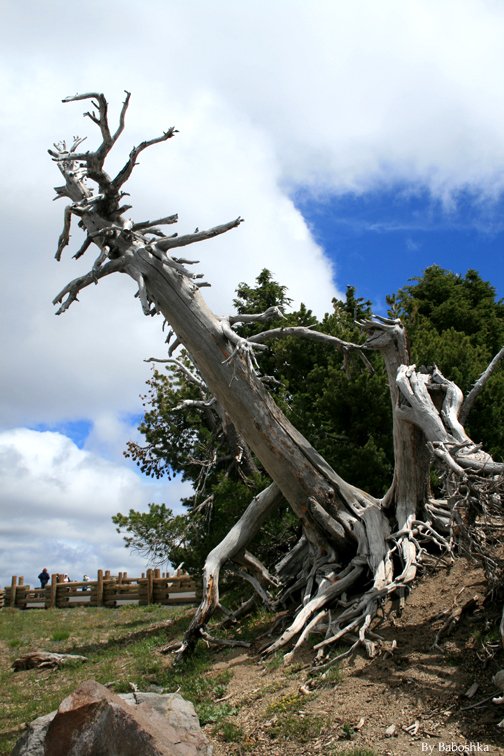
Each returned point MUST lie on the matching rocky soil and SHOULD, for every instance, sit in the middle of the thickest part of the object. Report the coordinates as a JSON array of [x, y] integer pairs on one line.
[[412, 698]]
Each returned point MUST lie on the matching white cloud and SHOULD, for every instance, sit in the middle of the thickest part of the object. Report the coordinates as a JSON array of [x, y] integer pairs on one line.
[[270, 98], [57, 502]]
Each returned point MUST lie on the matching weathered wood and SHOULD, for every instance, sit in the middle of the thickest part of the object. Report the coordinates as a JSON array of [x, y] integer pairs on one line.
[[238, 537], [12, 600], [150, 587], [52, 595], [114, 590], [346, 532], [45, 659], [99, 588], [131, 596]]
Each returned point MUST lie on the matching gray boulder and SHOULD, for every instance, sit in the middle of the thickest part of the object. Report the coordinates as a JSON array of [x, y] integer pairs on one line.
[[93, 721], [32, 740]]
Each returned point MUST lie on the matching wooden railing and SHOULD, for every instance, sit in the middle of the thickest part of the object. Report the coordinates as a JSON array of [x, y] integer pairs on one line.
[[107, 590]]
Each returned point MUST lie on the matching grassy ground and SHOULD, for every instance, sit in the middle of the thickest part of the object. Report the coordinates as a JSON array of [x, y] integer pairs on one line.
[[248, 704], [120, 646]]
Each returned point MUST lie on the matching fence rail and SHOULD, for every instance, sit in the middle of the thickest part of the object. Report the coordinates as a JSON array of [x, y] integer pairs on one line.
[[107, 590]]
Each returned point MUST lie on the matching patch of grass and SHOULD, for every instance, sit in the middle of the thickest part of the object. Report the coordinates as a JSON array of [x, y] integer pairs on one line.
[[214, 712], [145, 657], [348, 731], [220, 686], [151, 608], [229, 732], [193, 681], [60, 635], [255, 623], [285, 704], [330, 677], [301, 729], [119, 686], [273, 662], [121, 646], [492, 636], [293, 669], [260, 693], [452, 659]]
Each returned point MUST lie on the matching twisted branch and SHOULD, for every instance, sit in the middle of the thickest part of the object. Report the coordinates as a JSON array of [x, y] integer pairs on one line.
[[72, 289]]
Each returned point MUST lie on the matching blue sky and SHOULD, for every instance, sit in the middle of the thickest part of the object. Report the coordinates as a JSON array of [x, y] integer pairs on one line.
[[381, 240], [361, 141]]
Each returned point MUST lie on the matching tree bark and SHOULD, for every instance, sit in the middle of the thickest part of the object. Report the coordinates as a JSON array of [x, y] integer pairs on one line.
[[347, 533]]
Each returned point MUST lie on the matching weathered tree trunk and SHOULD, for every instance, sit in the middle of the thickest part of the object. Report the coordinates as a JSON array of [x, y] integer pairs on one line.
[[347, 533]]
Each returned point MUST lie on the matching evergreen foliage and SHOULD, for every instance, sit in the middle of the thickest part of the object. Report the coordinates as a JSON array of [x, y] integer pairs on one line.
[[339, 406], [456, 323]]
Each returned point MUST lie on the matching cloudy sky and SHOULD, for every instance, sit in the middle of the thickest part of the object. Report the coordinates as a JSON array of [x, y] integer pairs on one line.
[[361, 141]]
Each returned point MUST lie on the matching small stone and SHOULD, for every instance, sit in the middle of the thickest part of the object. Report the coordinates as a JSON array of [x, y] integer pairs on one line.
[[498, 679], [472, 690]]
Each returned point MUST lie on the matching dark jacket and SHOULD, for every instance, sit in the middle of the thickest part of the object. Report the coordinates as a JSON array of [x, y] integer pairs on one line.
[[44, 578]]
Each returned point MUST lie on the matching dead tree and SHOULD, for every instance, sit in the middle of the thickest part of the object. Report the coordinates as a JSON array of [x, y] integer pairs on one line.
[[355, 549]]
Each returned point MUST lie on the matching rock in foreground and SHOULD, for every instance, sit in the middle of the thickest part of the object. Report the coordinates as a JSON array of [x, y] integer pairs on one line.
[[93, 721]]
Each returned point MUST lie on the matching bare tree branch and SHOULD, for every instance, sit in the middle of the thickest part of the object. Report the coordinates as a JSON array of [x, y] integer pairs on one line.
[[127, 169], [85, 245], [479, 386], [182, 241], [307, 333], [159, 222], [61, 191], [260, 317], [345, 533], [108, 140], [72, 289], [65, 234]]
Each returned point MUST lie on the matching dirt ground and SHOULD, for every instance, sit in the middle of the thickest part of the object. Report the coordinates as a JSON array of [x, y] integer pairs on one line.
[[366, 707]]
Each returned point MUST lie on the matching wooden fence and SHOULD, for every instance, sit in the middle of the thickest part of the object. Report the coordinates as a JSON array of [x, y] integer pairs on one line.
[[107, 590]]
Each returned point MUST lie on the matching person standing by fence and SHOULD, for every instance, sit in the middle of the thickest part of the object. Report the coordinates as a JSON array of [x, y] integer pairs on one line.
[[44, 578]]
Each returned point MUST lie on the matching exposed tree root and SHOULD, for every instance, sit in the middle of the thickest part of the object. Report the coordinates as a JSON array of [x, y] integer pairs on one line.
[[454, 616], [233, 544], [348, 560], [223, 641], [327, 583]]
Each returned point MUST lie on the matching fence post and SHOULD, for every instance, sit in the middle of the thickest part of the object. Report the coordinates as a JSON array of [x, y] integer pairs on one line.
[[99, 588], [150, 586], [52, 592], [12, 601]]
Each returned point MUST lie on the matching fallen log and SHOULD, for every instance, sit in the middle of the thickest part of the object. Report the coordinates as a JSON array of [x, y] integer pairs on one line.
[[45, 660]]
